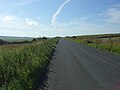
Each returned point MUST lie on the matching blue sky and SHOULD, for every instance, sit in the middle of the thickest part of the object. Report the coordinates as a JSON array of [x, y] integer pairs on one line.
[[59, 17]]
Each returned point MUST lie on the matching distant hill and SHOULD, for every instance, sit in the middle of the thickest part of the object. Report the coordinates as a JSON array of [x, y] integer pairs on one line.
[[97, 35], [106, 35], [17, 39]]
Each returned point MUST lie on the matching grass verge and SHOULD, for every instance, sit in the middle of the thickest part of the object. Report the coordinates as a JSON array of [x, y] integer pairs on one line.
[[20, 64]]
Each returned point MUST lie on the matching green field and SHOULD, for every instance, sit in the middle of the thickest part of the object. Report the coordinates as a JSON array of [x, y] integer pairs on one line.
[[21, 64], [15, 39], [107, 42]]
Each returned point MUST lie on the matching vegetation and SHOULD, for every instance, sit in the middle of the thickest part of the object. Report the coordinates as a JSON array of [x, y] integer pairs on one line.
[[15, 39], [39, 39], [20, 64], [2, 42], [107, 42]]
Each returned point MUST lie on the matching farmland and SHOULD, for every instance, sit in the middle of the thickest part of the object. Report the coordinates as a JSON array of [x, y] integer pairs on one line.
[[21, 64], [107, 42], [15, 39]]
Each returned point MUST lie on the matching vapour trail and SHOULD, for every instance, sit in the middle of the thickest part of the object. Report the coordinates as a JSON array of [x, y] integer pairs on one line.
[[54, 17]]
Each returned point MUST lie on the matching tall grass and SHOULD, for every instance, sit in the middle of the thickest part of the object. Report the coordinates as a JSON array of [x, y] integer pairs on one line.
[[20, 64]]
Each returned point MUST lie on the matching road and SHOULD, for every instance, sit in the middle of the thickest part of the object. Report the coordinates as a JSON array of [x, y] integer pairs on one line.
[[78, 67]]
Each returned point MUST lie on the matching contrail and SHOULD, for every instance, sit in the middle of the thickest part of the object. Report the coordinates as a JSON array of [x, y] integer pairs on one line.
[[54, 17]]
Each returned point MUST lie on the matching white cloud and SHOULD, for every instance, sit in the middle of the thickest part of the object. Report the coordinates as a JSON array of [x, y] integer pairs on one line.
[[9, 18], [113, 14], [31, 22], [54, 17]]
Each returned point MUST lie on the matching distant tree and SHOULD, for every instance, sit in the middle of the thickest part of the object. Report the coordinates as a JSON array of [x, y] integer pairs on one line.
[[39, 38], [74, 37], [45, 38], [34, 40], [2, 42], [26, 41]]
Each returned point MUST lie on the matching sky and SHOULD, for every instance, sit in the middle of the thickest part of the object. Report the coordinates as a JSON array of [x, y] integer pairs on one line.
[[50, 18]]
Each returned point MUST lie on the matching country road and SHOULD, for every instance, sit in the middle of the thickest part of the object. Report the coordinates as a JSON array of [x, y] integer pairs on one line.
[[78, 67]]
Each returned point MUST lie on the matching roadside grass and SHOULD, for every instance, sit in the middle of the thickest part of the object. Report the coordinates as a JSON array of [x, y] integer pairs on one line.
[[113, 47], [20, 64], [107, 47]]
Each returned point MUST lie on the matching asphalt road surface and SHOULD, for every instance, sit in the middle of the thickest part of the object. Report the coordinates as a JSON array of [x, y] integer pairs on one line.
[[78, 67]]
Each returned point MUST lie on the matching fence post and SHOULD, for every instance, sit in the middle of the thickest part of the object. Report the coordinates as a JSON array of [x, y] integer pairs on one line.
[[111, 43]]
